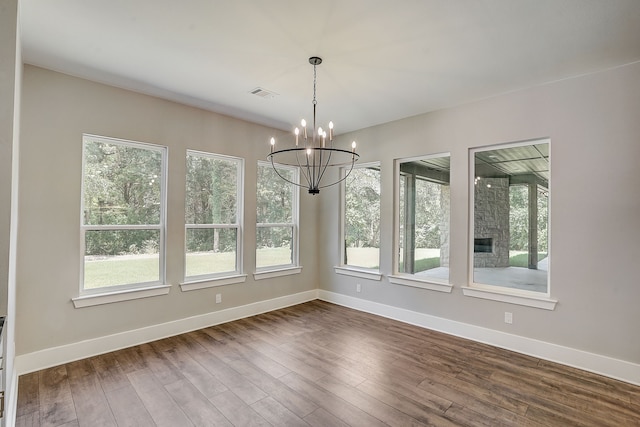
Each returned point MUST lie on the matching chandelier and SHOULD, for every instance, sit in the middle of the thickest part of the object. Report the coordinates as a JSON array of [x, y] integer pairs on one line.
[[313, 152]]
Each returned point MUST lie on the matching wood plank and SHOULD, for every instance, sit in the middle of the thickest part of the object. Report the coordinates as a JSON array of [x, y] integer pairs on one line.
[[369, 404], [236, 411], [428, 409], [200, 411], [202, 379], [347, 412], [56, 402], [161, 406], [289, 398], [322, 418], [128, 409], [241, 387], [92, 407], [28, 395], [111, 375], [278, 415]]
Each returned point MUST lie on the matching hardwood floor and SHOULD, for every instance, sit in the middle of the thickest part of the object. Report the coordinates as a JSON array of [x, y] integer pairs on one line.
[[318, 364]]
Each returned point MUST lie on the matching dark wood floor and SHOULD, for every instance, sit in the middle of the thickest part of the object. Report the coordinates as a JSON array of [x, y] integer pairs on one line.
[[320, 364]]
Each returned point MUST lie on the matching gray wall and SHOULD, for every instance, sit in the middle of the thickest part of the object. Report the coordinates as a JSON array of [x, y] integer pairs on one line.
[[593, 125], [56, 110]]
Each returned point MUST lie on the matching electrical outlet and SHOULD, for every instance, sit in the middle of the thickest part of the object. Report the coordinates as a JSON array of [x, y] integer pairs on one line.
[[358, 287], [508, 317], [218, 298]]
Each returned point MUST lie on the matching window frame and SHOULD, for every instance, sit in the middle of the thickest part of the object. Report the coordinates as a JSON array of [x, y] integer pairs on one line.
[[294, 266], [207, 280], [410, 279], [114, 293], [342, 267], [528, 298]]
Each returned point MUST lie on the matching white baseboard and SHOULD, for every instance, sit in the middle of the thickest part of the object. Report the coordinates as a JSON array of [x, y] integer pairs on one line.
[[55, 356], [602, 365]]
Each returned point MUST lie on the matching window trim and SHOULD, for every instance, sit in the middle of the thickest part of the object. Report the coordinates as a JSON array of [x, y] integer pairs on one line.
[[293, 267], [208, 280], [408, 279], [116, 293], [474, 289], [347, 269]]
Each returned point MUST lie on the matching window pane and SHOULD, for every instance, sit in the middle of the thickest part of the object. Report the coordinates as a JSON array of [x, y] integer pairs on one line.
[[424, 217], [122, 184], [362, 218], [121, 257], [275, 195], [210, 251], [211, 190], [510, 216], [274, 246]]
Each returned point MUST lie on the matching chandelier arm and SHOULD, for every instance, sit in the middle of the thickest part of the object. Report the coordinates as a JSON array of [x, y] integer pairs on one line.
[[305, 175], [324, 169], [284, 178], [341, 179]]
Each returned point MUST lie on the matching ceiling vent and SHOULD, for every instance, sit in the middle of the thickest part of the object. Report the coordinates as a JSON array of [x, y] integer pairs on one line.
[[263, 93]]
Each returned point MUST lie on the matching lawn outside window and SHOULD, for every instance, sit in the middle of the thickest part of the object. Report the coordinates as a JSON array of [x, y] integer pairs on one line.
[[123, 218]]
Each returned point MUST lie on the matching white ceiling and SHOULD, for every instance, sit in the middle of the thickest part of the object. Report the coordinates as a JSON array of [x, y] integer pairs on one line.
[[383, 59]]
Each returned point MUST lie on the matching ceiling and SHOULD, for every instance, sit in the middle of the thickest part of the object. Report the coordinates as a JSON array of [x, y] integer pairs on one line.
[[383, 59]]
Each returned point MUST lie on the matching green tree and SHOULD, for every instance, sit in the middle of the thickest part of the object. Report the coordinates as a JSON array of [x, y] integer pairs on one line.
[[362, 208], [122, 186]]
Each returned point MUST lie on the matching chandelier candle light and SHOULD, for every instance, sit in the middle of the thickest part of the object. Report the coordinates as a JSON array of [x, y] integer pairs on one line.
[[315, 154]]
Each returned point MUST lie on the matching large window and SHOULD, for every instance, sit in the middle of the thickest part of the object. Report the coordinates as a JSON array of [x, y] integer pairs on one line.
[[276, 216], [213, 214], [510, 217], [361, 222], [123, 214], [423, 218]]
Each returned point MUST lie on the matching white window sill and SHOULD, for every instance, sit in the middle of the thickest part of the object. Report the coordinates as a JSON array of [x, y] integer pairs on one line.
[[276, 272], [358, 272], [124, 295], [212, 282], [509, 296], [432, 285]]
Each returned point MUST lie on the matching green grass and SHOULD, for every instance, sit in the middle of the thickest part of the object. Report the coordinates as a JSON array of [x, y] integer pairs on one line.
[[120, 271], [273, 256], [423, 264], [426, 264], [522, 260], [123, 270]]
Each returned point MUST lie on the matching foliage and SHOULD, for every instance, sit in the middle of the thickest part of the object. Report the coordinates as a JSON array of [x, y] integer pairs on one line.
[[121, 187], [211, 198], [429, 214], [362, 208], [522, 260], [519, 218], [274, 200]]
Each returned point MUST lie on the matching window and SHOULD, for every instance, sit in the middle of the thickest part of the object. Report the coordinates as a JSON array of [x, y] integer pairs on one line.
[[277, 217], [213, 211], [423, 218], [361, 221], [510, 215], [123, 214]]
